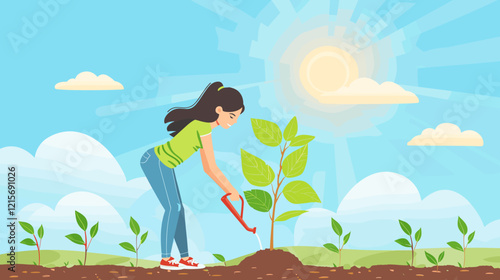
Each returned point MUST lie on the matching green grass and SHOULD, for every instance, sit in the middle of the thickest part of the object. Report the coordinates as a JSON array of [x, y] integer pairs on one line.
[[308, 255]]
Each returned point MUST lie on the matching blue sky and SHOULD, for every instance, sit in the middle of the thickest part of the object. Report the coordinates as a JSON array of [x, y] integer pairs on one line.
[[441, 51]]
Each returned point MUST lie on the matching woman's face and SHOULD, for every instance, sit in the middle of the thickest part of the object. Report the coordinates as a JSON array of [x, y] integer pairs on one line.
[[227, 119]]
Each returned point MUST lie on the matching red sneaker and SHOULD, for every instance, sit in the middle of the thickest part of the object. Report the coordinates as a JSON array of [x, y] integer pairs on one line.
[[169, 264], [190, 264]]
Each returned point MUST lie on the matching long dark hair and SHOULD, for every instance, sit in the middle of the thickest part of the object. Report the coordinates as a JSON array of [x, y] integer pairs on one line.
[[215, 94]]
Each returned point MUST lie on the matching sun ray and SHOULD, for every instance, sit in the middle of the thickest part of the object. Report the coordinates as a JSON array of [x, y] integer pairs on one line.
[[284, 6], [310, 11], [440, 16], [447, 56], [450, 95], [225, 10], [346, 178]]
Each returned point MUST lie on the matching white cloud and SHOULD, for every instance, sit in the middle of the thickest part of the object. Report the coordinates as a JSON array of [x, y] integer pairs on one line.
[[447, 134], [61, 220], [89, 81], [71, 161], [372, 208], [368, 91], [389, 188]]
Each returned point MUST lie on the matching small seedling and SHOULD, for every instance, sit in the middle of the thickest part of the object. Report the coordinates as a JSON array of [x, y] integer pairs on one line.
[[136, 229], [131, 264], [433, 260], [77, 239], [220, 258], [330, 246], [258, 173], [66, 263], [80, 262], [462, 226], [28, 241], [409, 244]]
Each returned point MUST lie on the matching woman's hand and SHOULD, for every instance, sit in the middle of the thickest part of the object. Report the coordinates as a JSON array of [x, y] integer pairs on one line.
[[234, 196]]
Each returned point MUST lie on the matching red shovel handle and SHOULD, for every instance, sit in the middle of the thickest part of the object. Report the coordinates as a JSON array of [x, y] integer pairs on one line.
[[229, 205]]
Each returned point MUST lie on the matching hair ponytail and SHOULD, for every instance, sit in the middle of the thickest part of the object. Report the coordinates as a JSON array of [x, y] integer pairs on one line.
[[215, 94]]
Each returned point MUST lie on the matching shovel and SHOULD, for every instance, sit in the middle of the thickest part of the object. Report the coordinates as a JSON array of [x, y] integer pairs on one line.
[[238, 216]]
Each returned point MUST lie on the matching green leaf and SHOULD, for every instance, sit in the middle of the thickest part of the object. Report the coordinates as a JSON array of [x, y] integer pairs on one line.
[[431, 258], [301, 140], [127, 246], [346, 238], [81, 220], [405, 227], [471, 237], [134, 226], [35, 263], [455, 245], [462, 226], [94, 229], [256, 171], [337, 228], [219, 257], [29, 242], [441, 257], [143, 237], [27, 227], [459, 264], [41, 232], [289, 214], [290, 129], [267, 132], [80, 262], [334, 265], [418, 235], [75, 238], [403, 242], [331, 247], [131, 264], [259, 200], [295, 163], [299, 192]]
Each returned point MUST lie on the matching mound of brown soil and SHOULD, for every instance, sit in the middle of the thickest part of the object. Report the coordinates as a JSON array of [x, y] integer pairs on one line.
[[273, 264]]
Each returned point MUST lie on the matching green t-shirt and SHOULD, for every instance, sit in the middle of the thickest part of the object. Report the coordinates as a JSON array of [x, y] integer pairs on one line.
[[184, 144]]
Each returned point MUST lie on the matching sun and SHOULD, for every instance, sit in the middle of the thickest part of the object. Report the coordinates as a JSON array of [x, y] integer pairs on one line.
[[326, 69]]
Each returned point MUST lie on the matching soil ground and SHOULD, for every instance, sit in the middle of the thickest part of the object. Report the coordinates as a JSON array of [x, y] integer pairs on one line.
[[264, 264]]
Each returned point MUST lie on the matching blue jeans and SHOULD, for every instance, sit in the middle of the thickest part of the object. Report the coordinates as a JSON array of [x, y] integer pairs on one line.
[[162, 180]]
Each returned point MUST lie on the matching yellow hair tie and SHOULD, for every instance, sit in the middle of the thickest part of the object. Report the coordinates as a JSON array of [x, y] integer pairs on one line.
[[220, 88]]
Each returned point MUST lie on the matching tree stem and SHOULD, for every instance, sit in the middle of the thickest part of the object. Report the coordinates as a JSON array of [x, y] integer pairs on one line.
[[86, 247], [276, 196], [465, 247], [37, 247], [412, 249]]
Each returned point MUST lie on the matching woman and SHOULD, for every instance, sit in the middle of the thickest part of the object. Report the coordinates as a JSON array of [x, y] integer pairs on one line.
[[191, 129]]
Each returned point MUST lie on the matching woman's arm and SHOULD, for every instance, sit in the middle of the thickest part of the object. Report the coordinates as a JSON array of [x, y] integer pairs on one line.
[[212, 170]]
